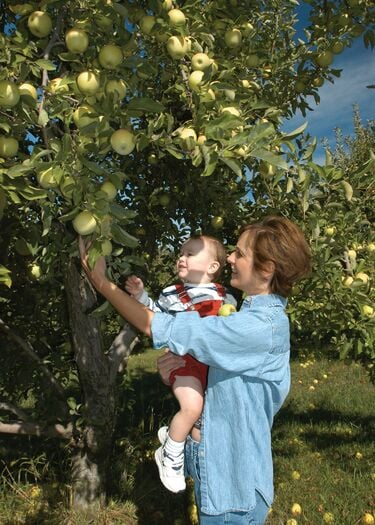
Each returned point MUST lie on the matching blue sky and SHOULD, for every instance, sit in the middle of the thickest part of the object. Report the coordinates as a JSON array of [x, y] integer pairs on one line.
[[337, 100]]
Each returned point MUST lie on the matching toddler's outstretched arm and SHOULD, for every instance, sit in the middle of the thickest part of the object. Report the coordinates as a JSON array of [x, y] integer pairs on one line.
[[134, 285]]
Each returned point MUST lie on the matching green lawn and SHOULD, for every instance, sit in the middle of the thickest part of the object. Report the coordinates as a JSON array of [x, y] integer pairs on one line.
[[323, 444]]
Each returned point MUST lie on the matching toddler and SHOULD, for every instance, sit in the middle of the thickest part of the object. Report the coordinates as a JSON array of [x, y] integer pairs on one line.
[[200, 262]]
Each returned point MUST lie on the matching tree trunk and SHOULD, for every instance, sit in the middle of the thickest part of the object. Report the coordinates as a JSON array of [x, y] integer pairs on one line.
[[97, 373]]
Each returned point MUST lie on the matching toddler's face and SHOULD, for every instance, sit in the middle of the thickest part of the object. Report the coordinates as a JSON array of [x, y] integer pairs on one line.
[[195, 263]]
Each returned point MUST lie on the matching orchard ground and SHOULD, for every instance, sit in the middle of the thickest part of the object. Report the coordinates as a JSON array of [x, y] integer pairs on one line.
[[323, 448]]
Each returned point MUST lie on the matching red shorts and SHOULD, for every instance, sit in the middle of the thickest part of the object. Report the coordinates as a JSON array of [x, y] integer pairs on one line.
[[192, 368]]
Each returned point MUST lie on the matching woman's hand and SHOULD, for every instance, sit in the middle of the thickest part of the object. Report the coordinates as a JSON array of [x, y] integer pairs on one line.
[[96, 275], [167, 363]]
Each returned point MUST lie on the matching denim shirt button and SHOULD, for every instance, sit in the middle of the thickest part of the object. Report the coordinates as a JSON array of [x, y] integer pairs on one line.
[[201, 454]]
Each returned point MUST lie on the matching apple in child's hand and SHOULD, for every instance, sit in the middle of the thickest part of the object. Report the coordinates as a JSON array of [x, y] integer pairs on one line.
[[226, 309]]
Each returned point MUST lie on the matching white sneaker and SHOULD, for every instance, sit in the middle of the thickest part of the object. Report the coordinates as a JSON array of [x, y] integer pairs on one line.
[[171, 473], [162, 434]]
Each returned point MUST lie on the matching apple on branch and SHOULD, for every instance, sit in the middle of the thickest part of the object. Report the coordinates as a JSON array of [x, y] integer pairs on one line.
[[84, 223], [39, 24], [110, 56], [123, 141], [76, 41], [8, 146], [88, 82], [176, 17], [9, 94]]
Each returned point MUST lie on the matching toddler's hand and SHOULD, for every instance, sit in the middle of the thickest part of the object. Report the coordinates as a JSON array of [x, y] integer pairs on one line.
[[134, 285]]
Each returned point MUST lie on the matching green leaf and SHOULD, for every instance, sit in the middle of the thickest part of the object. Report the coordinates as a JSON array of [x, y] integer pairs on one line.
[[92, 166], [18, 170], [145, 105], [31, 193], [46, 64], [234, 165], [43, 118], [271, 158], [293, 134], [210, 159], [122, 237], [5, 276]]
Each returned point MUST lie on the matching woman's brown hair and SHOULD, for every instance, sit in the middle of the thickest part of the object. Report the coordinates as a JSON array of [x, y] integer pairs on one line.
[[281, 242]]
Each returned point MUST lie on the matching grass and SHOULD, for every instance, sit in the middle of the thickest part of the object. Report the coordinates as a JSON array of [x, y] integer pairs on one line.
[[323, 444]]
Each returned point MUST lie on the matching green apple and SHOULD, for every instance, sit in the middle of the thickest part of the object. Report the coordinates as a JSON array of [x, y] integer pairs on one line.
[[226, 309], [109, 189], [103, 22], [167, 5], [164, 199], [367, 310], [352, 254], [201, 139], [195, 80], [300, 86], [344, 20], [371, 247], [200, 61], [177, 46], [296, 509], [84, 223], [247, 28], [117, 88], [337, 47], [88, 82], [110, 56], [328, 518], [217, 222], [330, 230], [347, 281], [318, 82], [8, 146], [9, 94], [146, 24], [324, 58], [362, 276], [67, 187], [123, 141], [28, 90], [233, 38], [232, 110], [188, 133], [57, 85], [267, 170], [39, 24], [46, 178], [152, 159], [106, 247], [83, 116], [367, 518], [35, 271], [252, 60], [176, 17], [76, 41]]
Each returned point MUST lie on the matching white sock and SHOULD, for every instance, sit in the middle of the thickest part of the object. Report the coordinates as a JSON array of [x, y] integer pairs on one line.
[[174, 449]]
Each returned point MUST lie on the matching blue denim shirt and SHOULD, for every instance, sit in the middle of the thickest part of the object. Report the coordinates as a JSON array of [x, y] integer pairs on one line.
[[249, 378]]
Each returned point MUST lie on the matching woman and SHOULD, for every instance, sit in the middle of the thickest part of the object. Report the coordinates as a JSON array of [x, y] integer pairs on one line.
[[230, 458]]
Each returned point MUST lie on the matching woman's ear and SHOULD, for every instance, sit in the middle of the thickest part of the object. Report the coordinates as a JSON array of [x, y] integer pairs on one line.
[[268, 269]]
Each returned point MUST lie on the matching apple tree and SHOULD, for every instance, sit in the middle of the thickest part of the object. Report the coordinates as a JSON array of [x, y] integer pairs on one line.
[[133, 124]]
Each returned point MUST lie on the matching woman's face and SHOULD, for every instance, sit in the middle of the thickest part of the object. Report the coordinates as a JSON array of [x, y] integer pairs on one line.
[[244, 277]]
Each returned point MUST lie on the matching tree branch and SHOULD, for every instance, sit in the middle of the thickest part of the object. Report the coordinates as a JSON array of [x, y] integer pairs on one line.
[[9, 407], [34, 429], [28, 349]]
